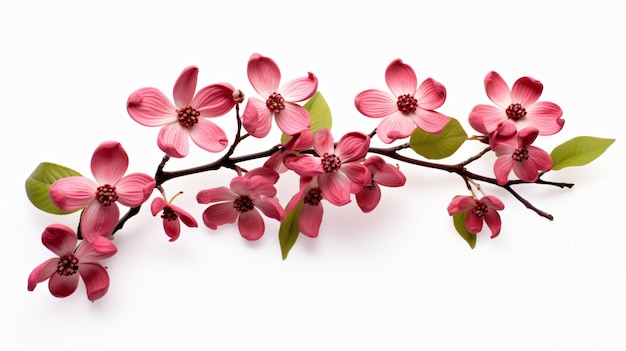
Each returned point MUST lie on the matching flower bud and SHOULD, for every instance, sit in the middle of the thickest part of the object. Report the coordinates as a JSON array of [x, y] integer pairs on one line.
[[238, 96]]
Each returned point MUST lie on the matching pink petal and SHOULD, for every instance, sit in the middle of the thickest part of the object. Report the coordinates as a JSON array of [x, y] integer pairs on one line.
[[299, 89], [214, 100], [492, 218], [109, 163], [263, 74], [461, 204], [527, 136], [257, 118], [541, 159], [526, 91], [502, 167], [492, 202], [42, 272], [497, 90], [266, 174], [473, 223], [98, 249], [430, 121], [208, 136], [395, 126], [368, 198], [323, 142], [151, 108], [310, 220], [525, 170], [219, 214], [72, 193], [173, 139], [389, 176], [336, 188], [218, 194], [185, 87], [96, 280], [172, 228], [59, 239], [304, 165], [376, 103], [157, 205], [401, 78], [293, 119], [251, 225], [546, 116], [352, 147], [61, 285], [486, 118], [98, 220], [430, 94], [358, 175], [271, 208], [134, 189]]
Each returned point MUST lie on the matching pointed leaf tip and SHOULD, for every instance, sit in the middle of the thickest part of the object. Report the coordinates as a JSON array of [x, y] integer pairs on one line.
[[289, 230]]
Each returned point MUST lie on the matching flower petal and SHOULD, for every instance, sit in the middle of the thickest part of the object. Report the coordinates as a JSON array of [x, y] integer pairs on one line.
[[218, 214], [299, 89], [98, 220], [492, 202], [368, 198], [109, 162], [293, 119], [257, 118], [310, 220], [430, 94], [184, 216], [96, 280], [208, 136], [486, 118], [150, 107], [304, 165], [42, 272], [497, 90], [251, 225], [395, 126], [98, 249], [173, 140], [502, 167], [264, 75], [473, 223], [214, 100], [400, 78], [157, 205], [271, 208], [185, 87], [172, 228], [526, 91], [218, 194], [134, 189], [546, 116], [461, 204], [375, 103], [72, 193], [430, 121], [352, 146], [541, 159], [492, 218], [59, 239], [335, 187], [62, 285], [358, 175]]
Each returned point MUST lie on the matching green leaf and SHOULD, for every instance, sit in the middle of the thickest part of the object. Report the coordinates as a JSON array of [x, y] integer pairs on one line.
[[438, 146], [578, 151], [289, 230], [320, 114], [38, 184], [459, 223]]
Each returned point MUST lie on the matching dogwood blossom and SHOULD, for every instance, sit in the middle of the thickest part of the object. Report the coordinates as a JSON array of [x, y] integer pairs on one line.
[[382, 174], [279, 102], [61, 272], [310, 216], [478, 211], [172, 216], [517, 106], [407, 106], [338, 169], [188, 117], [99, 199], [241, 202], [517, 154]]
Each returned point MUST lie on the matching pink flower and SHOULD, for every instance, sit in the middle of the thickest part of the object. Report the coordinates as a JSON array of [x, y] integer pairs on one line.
[[406, 106], [310, 217], [172, 216], [278, 101], [240, 202], [517, 106], [300, 141], [188, 116], [338, 169], [382, 174], [108, 165], [516, 153], [478, 211], [61, 271]]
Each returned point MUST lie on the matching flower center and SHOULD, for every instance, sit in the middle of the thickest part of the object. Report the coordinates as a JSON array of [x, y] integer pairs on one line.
[[243, 204], [169, 214], [275, 103], [407, 103], [520, 154], [480, 209], [67, 265], [515, 112], [188, 116], [330, 163], [313, 197], [106, 194]]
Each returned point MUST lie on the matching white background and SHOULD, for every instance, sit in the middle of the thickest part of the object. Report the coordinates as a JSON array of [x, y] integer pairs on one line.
[[399, 278]]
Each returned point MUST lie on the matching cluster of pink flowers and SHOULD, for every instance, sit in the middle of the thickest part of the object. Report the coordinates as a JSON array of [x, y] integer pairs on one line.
[[336, 172]]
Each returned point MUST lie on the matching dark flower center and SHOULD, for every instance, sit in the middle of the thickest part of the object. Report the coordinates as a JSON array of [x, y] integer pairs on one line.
[[330, 163], [515, 112], [275, 103], [188, 116], [243, 204], [480, 209], [313, 197], [169, 214], [106, 194], [520, 154], [67, 265], [407, 103]]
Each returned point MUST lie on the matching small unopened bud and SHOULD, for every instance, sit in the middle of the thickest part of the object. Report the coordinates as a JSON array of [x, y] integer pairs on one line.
[[238, 96]]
